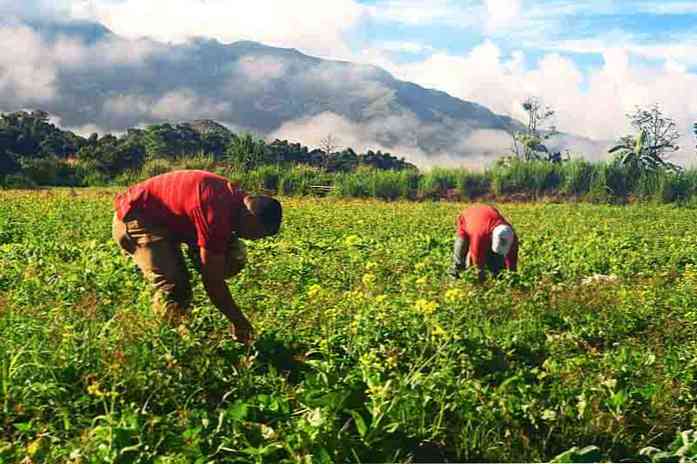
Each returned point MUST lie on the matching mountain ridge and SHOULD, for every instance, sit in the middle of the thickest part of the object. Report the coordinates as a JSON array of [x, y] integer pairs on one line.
[[272, 91]]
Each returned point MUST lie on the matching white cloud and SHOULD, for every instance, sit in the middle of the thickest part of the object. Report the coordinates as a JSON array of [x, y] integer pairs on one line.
[[405, 47], [315, 26], [502, 13], [415, 12], [476, 149], [182, 104], [27, 70], [594, 105]]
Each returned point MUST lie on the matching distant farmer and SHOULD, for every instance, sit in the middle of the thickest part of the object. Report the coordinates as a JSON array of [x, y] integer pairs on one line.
[[204, 211], [485, 240]]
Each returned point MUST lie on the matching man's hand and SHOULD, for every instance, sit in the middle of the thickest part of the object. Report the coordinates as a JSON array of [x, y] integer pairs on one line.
[[213, 275], [243, 332]]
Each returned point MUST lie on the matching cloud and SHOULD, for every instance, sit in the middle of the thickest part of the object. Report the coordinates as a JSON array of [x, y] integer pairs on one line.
[[315, 26], [592, 105], [399, 135], [413, 12], [405, 47], [34, 9], [28, 72], [178, 105], [502, 13]]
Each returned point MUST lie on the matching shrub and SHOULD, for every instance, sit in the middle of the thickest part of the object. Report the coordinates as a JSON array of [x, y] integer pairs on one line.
[[391, 185], [351, 184], [199, 161], [263, 178], [473, 184], [437, 182], [49, 171], [299, 179], [155, 167], [531, 177], [18, 181], [577, 177]]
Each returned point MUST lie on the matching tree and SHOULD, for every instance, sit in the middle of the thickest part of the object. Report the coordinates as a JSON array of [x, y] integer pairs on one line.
[[246, 152], [529, 144], [112, 155], [329, 144], [656, 138]]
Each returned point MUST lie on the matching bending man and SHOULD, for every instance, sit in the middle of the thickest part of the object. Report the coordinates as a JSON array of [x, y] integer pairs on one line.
[[208, 213], [484, 239]]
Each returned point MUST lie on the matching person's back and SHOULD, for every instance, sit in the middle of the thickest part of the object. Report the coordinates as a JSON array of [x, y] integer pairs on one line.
[[196, 207], [206, 212], [484, 239]]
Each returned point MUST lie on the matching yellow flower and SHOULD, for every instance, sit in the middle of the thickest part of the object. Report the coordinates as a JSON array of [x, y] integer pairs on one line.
[[380, 298], [454, 295], [437, 331], [352, 240], [368, 279], [422, 280], [314, 290], [94, 390], [426, 307], [371, 265]]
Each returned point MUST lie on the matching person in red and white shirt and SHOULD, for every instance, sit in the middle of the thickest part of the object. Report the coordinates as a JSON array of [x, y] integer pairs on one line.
[[485, 239], [210, 215]]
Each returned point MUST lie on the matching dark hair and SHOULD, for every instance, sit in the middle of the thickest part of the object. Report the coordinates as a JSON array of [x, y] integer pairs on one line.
[[269, 212]]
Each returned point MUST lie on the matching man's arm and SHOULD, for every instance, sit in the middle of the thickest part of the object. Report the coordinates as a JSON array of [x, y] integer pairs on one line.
[[213, 275], [460, 256]]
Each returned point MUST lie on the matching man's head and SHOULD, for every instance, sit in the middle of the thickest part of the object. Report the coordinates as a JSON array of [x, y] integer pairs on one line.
[[502, 239], [261, 217]]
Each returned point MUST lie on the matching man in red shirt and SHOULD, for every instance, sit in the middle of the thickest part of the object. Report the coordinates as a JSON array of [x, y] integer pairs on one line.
[[208, 213], [484, 239]]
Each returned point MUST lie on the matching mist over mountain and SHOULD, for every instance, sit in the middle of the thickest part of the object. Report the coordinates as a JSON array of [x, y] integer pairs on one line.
[[94, 80]]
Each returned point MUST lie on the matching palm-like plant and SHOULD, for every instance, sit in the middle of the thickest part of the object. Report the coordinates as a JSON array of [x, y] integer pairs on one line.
[[636, 153]]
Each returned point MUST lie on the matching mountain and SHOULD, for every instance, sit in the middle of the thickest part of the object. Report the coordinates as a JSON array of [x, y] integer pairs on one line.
[[106, 82]]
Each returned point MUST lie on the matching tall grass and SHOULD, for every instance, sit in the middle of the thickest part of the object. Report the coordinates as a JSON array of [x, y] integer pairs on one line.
[[532, 177], [601, 182]]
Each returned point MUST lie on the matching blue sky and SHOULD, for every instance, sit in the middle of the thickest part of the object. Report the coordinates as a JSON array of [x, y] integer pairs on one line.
[[592, 60], [534, 27]]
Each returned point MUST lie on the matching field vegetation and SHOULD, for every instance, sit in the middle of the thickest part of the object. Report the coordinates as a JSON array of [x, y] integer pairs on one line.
[[366, 351]]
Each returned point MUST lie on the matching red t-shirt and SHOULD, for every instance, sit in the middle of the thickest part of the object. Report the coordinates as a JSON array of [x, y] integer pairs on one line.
[[476, 225], [197, 207]]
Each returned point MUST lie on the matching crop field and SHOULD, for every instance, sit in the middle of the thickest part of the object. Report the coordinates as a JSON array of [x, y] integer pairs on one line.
[[366, 350]]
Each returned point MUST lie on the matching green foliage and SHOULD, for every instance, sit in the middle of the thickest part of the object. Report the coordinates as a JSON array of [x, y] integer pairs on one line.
[[682, 449], [245, 152], [365, 351], [156, 166], [657, 136], [299, 180], [50, 171], [30, 135], [112, 155], [472, 184], [577, 177], [437, 182], [531, 177]]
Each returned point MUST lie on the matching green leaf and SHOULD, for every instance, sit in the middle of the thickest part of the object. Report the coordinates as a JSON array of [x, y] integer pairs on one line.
[[576, 454], [238, 411], [360, 423]]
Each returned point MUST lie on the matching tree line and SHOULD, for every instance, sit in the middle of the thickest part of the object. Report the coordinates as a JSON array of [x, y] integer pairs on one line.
[[30, 141]]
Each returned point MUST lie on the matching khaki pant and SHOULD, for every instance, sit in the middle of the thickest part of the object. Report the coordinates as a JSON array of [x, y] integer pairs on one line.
[[162, 262]]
